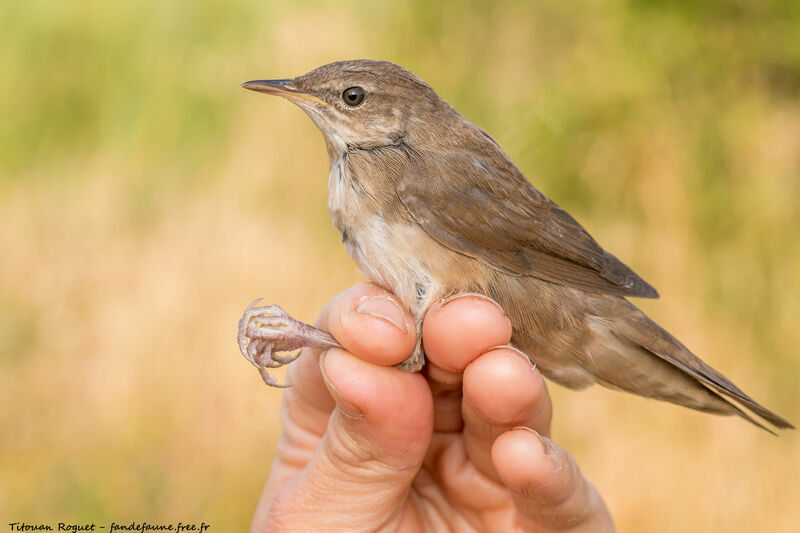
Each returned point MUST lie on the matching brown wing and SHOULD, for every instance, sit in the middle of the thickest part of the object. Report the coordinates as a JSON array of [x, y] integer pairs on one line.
[[481, 206]]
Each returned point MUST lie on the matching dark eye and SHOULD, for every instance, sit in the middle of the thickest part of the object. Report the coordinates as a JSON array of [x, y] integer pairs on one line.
[[353, 96]]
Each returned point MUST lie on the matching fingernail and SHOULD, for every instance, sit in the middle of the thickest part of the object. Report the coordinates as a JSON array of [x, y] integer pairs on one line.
[[545, 442], [384, 308], [477, 295], [347, 408], [517, 351]]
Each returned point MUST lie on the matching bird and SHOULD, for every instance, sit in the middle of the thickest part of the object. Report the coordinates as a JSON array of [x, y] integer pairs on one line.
[[429, 206]]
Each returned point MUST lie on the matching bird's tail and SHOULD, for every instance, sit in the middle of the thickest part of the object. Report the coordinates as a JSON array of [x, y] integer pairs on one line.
[[683, 378]]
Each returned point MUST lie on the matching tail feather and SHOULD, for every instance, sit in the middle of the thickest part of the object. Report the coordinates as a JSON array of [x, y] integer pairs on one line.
[[735, 409], [638, 328], [727, 390]]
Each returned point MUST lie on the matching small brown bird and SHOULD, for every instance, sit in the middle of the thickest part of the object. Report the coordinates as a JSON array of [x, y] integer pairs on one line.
[[429, 205]]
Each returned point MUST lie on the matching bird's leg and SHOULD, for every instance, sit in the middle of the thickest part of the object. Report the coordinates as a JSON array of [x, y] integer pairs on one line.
[[416, 360], [268, 329]]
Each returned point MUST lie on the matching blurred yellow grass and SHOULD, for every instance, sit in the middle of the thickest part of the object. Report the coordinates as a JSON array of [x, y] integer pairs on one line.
[[145, 200]]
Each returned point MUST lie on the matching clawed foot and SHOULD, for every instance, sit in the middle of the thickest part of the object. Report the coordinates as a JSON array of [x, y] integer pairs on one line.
[[265, 330]]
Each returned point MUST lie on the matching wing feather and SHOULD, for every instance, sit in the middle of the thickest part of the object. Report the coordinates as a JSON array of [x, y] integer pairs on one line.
[[489, 211]]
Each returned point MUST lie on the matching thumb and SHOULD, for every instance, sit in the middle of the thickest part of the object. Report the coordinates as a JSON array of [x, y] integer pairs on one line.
[[374, 444]]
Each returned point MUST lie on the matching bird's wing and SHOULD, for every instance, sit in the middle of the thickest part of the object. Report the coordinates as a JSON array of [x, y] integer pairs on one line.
[[483, 207]]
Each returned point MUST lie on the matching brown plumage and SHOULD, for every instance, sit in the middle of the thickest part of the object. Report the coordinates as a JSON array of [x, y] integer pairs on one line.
[[429, 205]]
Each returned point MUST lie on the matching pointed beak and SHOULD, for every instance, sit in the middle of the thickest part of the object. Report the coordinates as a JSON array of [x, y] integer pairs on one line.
[[281, 88], [276, 87]]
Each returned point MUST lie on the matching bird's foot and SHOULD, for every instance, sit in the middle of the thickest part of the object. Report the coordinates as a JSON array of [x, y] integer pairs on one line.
[[416, 360], [266, 330]]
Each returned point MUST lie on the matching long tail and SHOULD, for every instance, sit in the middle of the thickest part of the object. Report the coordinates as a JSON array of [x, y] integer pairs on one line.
[[697, 385]]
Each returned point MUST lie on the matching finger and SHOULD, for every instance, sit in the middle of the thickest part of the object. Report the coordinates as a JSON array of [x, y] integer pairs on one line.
[[370, 323], [502, 390], [547, 487], [457, 330], [305, 411], [362, 317], [374, 444], [454, 333]]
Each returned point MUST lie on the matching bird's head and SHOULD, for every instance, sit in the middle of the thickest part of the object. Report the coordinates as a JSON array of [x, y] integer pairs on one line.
[[362, 103]]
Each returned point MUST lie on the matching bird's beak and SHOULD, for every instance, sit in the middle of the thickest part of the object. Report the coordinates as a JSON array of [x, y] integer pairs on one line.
[[282, 88]]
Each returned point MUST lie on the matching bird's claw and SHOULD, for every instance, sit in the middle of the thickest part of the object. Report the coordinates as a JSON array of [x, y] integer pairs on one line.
[[268, 329]]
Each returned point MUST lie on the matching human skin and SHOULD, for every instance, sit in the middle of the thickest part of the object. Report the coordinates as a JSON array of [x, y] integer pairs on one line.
[[462, 446]]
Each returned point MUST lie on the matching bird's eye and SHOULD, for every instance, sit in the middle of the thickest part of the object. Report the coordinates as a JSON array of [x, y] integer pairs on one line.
[[353, 96]]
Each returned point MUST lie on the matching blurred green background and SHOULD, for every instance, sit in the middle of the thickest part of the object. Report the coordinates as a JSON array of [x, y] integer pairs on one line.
[[145, 199]]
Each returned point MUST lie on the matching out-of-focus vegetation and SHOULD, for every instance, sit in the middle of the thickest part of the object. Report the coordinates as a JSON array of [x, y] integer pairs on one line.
[[145, 199]]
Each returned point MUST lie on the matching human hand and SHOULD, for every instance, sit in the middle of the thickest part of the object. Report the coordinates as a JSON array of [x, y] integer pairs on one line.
[[462, 446]]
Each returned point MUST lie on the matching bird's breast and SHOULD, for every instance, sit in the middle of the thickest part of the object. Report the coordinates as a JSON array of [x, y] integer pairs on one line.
[[389, 253]]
